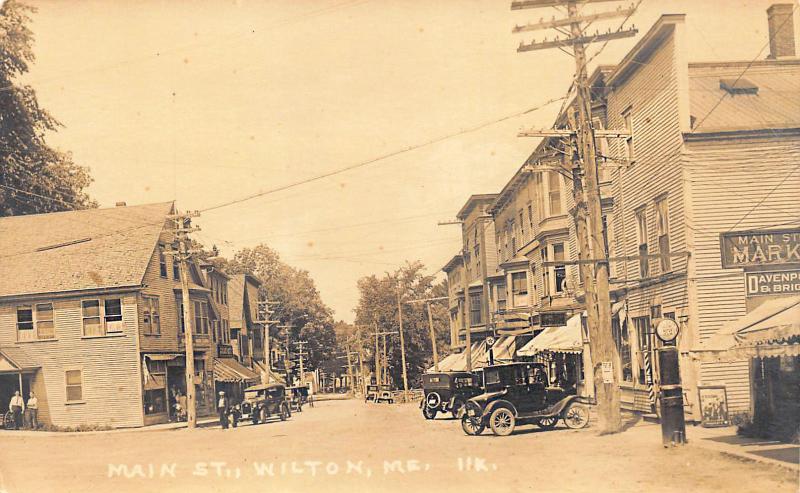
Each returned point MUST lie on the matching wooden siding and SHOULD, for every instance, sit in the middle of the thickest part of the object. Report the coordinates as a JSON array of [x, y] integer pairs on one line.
[[110, 367], [164, 289], [737, 184]]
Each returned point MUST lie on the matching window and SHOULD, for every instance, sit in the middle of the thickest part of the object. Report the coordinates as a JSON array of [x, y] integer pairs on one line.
[[530, 219], [662, 230], [92, 323], [522, 226], [74, 385], [24, 318], [642, 325], [45, 327], [176, 269], [641, 237], [475, 309], [545, 273], [101, 317], [559, 271], [162, 262], [539, 191], [151, 318], [501, 296], [623, 342], [201, 317], [628, 122], [519, 288], [155, 401], [554, 192]]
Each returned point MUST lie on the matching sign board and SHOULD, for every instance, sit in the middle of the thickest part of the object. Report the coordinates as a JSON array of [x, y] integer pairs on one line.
[[553, 319], [608, 372], [490, 341], [667, 329], [713, 406], [772, 282], [759, 248]]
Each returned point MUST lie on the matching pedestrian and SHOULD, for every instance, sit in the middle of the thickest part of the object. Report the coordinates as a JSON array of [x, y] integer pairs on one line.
[[33, 410], [222, 410], [16, 406]]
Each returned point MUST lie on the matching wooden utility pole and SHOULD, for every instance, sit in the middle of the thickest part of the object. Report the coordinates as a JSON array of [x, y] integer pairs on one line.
[[402, 346], [263, 319], [428, 302], [377, 358], [301, 353], [182, 228], [286, 358], [598, 305], [466, 322], [350, 370]]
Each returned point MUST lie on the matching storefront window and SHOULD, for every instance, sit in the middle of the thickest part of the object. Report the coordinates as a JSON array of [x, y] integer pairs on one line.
[[622, 339], [642, 325], [155, 401]]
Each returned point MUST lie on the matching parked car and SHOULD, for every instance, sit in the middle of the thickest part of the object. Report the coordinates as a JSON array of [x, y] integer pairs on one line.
[[447, 392], [516, 394], [262, 402]]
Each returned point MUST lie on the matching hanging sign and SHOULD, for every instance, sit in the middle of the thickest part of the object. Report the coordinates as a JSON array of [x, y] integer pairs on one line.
[[758, 248], [773, 282], [553, 319], [490, 341], [667, 329]]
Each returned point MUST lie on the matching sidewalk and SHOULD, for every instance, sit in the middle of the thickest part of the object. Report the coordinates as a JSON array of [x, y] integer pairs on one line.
[[201, 423], [726, 441]]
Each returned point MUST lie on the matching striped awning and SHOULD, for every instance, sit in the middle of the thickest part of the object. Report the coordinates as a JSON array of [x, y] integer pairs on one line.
[[230, 370], [566, 339]]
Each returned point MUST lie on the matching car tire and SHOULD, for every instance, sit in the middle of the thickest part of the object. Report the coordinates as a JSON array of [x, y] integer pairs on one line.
[[547, 423], [428, 412], [285, 413], [576, 416], [502, 421], [458, 407], [472, 426], [263, 415]]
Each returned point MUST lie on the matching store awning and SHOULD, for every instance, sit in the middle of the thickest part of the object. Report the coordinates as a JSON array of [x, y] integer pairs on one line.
[[503, 352], [162, 357], [565, 339], [458, 362], [447, 362], [230, 370], [267, 375], [772, 329]]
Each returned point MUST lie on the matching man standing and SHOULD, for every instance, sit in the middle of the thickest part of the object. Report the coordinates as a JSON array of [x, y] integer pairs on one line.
[[16, 406], [222, 410], [33, 410]]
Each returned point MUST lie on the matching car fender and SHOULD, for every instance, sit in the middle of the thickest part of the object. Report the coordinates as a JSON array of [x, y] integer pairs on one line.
[[559, 406], [499, 403]]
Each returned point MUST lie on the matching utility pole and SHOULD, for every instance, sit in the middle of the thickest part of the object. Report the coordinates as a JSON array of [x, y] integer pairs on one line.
[[350, 370], [377, 334], [599, 306], [263, 319], [377, 358], [287, 369], [428, 302], [182, 228], [465, 324], [402, 346], [301, 353]]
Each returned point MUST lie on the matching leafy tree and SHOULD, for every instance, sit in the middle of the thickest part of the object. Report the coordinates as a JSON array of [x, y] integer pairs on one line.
[[34, 177], [378, 304], [299, 301]]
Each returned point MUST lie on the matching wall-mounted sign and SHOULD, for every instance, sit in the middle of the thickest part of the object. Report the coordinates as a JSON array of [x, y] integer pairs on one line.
[[777, 282], [667, 329], [713, 406], [759, 248], [553, 319], [607, 369]]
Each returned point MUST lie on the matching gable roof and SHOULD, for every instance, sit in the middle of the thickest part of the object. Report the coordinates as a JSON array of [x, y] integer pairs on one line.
[[78, 250], [237, 288], [775, 103], [474, 200]]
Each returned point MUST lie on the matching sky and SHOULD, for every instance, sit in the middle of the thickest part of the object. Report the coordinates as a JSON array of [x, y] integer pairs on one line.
[[204, 102]]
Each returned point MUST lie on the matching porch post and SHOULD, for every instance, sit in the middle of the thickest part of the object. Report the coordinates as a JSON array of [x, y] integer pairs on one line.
[[20, 383]]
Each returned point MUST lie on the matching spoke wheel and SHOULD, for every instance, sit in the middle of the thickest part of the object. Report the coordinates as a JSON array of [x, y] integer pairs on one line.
[[502, 421], [472, 426], [284, 412], [547, 423], [428, 412], [576, 416]]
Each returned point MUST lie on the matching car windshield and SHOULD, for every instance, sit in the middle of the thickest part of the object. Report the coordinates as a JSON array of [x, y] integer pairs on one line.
[[491, 376], [251, 395]]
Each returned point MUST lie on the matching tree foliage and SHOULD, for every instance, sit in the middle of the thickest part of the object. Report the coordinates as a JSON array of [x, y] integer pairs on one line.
[[378, 307], [299, 301], [34, 177]]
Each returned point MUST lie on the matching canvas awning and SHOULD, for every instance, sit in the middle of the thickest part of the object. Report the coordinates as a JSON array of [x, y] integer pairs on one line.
[[503, 351], [564, 339], [446, 362], [772, 329], [229, 370], [458, 362], [162, 357]]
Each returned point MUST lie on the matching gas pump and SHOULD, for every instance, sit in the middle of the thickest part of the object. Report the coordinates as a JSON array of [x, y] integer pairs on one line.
[[673, 424]]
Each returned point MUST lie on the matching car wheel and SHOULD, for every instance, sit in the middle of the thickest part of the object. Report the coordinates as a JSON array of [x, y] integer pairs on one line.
[[254, 418], [576, 416], [285, 412], [547, 423], [263, 414], [502, 421], [428, 412], [472, 426], [458, 407]]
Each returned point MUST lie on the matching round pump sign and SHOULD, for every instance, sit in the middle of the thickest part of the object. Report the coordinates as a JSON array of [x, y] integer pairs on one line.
[[490, 341], [667, 329]]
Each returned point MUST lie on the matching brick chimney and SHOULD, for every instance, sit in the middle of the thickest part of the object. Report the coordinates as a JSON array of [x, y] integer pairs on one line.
[[781, 30]]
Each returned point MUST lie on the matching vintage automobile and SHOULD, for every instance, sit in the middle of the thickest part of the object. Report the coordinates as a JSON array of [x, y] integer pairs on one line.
[[379, 393], [262, 402], [447, 392], [517, 393]]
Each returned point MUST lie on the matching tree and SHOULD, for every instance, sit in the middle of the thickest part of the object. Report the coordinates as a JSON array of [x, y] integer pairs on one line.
[[378, 303], [299, 301], [34, 177]]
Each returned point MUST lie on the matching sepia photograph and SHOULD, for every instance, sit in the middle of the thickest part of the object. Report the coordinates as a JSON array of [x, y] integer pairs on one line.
[[287, 246]]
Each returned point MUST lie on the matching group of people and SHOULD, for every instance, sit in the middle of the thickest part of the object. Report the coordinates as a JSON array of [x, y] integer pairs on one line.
[[17, 406]]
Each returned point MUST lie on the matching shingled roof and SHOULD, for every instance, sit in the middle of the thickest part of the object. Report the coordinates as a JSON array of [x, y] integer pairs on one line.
[[78, 250]]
